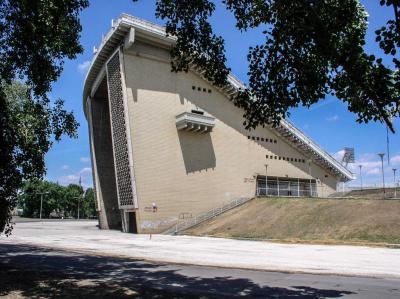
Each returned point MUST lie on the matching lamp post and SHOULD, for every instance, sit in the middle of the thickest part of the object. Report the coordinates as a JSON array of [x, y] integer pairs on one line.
[[394, 181], [381, 155], [78, 197], [266, 179], [309, 173], [360, 166], [41, 202]]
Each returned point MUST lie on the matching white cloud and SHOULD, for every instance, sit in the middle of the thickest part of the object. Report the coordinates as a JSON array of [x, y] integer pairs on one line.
[[84, 159], [84, 66], [68, 179], [373, 171], [338, 155], [370, 163], [85, 170], [395, 160], [64, 167], [322, 104], [85, 175], [333, 118]]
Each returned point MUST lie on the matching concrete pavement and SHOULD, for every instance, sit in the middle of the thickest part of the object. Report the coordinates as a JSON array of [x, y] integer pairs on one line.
[[84, 237]]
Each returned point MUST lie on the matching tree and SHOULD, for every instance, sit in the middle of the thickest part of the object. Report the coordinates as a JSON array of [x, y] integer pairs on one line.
[[35, 38], [88, 205], [57, 200], [73, 197], [31, 194], [312, 48]]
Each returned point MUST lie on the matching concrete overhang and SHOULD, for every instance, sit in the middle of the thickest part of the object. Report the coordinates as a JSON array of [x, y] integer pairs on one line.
[[194, 122]]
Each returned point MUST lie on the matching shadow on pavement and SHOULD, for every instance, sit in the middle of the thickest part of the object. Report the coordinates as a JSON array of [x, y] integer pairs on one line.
[[27, 271]]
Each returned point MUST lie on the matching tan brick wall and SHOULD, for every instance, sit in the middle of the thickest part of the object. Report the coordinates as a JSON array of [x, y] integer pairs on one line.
[[188, 172]]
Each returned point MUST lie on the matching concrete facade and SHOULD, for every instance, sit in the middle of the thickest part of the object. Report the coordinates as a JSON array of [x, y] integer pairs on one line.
[[180, 171]]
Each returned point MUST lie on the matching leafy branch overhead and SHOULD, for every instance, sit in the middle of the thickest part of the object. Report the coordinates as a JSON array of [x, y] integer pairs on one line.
[[311, 49], [35, 38]]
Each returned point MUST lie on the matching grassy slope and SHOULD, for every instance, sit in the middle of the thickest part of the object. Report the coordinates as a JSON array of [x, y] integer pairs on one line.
[[310, 220]]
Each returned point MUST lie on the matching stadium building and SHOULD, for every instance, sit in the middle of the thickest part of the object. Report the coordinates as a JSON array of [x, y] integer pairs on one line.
[[166, 145]]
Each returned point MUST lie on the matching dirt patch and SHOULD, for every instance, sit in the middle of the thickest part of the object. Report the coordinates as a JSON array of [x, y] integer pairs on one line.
[[345, 220]]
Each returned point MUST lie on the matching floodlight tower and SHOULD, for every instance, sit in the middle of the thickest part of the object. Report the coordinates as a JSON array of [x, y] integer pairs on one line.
[[348, 157]]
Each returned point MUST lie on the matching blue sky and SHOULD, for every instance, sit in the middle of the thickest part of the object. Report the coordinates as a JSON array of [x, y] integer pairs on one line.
[[328, 122]]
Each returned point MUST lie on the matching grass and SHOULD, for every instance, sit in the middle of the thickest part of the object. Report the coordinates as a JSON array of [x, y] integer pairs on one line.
[[309, 220]]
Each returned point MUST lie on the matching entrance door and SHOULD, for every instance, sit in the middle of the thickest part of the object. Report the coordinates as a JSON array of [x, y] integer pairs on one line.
[[132, 228]]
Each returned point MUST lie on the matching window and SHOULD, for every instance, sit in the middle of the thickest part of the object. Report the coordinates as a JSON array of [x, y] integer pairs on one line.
[[262, 138], [270, 140], [283, 158], [193, 87], [252, 137], [266, 156], [279, 158], [276, 157], [272, 157], [274, 140], [198, 112], [258, 138], [209, 91], [248, 137], [291, 159]]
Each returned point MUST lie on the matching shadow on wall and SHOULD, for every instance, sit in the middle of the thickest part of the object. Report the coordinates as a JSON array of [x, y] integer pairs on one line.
[[197, 151], [110, 217]]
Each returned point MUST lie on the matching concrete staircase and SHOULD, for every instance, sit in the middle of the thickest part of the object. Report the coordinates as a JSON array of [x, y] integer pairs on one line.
[[181, 226]]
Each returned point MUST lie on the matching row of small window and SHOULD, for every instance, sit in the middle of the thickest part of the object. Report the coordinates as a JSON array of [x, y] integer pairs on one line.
[[200, 89], [285, 159], [262, 139]]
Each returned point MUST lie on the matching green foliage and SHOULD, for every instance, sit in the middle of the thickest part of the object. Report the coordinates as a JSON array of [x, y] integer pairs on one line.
[[35, 38], [58, 201], [311, 49], [89, 205], [196, 41], [31, 194]]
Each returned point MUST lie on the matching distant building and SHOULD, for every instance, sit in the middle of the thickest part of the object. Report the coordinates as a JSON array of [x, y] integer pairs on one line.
[[166, 144]]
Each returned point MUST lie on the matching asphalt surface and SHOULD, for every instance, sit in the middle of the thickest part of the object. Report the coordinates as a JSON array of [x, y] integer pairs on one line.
[[31, 272]]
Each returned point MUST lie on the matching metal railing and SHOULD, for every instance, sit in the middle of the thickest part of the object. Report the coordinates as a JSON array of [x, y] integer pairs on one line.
[[286, 192], [206, 216], [277, 187], [307, 141]]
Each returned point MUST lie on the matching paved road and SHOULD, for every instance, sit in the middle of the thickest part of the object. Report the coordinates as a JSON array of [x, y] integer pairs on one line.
[[32, 272], [256, 255]]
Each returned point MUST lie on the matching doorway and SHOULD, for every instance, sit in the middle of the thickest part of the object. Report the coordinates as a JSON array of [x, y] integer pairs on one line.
[[132, 228]]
